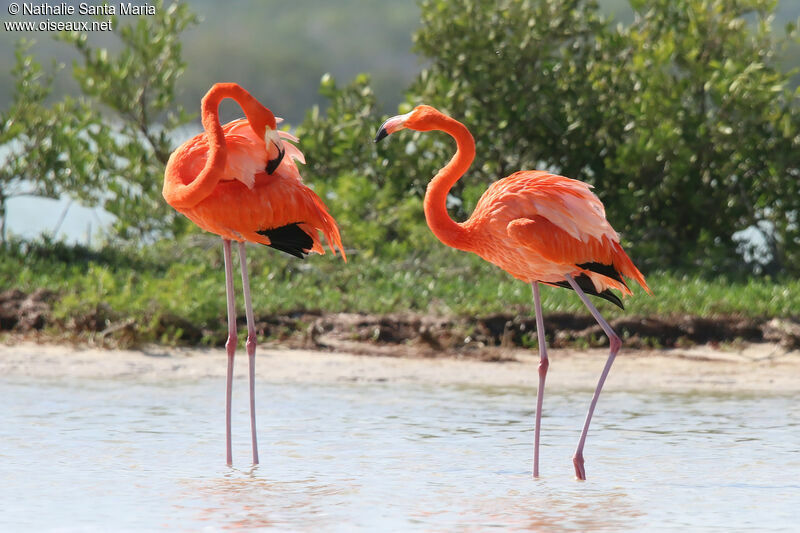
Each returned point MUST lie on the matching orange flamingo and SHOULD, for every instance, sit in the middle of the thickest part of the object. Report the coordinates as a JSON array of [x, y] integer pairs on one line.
[[234, 180], [538, 227]]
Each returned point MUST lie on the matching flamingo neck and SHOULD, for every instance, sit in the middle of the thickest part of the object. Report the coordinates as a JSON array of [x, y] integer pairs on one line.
[[182, 195], [445, 228]]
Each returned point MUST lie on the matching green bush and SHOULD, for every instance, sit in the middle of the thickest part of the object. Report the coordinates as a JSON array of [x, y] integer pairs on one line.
[[683, 121], [710, 139], [47, 149], [109, 146]]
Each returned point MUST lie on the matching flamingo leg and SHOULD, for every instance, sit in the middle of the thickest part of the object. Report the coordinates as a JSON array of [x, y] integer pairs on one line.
[[544, 363], [614, 343], [230, 344], [251, 347]]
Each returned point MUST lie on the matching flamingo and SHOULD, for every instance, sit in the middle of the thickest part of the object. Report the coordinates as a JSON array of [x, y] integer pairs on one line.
[[234, 181], [538, 227]]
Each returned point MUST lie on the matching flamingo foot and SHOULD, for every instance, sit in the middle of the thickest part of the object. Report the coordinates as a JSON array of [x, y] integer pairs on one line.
[[580, 471]]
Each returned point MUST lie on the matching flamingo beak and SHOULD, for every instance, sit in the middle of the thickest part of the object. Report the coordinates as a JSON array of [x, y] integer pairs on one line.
[[392, 125], [271, 136]]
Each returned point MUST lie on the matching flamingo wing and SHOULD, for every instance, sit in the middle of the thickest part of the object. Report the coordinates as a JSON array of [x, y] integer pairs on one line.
[[278, 211], [560, 224], [590, 263], [248, 204], [567, 203]]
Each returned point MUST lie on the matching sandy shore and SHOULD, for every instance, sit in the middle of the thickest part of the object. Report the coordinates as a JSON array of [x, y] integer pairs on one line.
[[758, 367]]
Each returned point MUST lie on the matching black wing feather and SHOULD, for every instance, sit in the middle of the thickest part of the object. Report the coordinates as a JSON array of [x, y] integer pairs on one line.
[[604, 270], [290, 239], [586, 285]]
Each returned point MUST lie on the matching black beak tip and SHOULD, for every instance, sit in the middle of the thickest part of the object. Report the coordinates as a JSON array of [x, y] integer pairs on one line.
[[273, 164], [382, 133]]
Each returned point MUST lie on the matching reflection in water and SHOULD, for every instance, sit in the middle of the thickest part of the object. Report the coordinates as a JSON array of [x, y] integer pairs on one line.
[[390, 456], [243, 499]]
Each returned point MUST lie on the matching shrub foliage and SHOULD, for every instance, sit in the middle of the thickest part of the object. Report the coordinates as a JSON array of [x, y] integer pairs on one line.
[[683, 120]]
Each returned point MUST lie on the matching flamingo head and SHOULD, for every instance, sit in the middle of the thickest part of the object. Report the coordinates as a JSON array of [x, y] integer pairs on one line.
[[265, 126], [421, 118], [275, 150]]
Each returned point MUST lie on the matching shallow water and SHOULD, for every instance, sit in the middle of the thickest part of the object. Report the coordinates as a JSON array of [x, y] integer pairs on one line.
[[126, 455]]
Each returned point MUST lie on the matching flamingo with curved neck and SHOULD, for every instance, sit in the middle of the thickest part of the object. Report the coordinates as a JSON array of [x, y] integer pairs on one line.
[[538, 227], [234, 181], [180, 194]]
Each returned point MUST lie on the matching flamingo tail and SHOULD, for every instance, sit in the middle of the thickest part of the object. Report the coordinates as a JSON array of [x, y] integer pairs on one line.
[[327, 224], [624, 265]]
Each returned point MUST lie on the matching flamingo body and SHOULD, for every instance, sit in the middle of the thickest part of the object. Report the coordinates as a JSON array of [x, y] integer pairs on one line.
[[539, 226], [248, 203]]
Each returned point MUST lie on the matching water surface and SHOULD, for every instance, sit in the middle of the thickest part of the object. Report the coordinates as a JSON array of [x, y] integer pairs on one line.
[[92, 455]]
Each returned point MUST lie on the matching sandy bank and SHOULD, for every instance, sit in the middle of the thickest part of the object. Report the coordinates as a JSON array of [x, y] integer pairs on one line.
[[758, 367]]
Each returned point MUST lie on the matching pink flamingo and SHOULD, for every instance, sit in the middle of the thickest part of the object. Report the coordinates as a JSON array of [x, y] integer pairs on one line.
[[538, 227], [234, 181]]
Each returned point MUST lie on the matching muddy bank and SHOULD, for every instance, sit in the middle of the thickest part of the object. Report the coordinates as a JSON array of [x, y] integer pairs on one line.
[[487, 337], [425, 334], [757, 368]]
